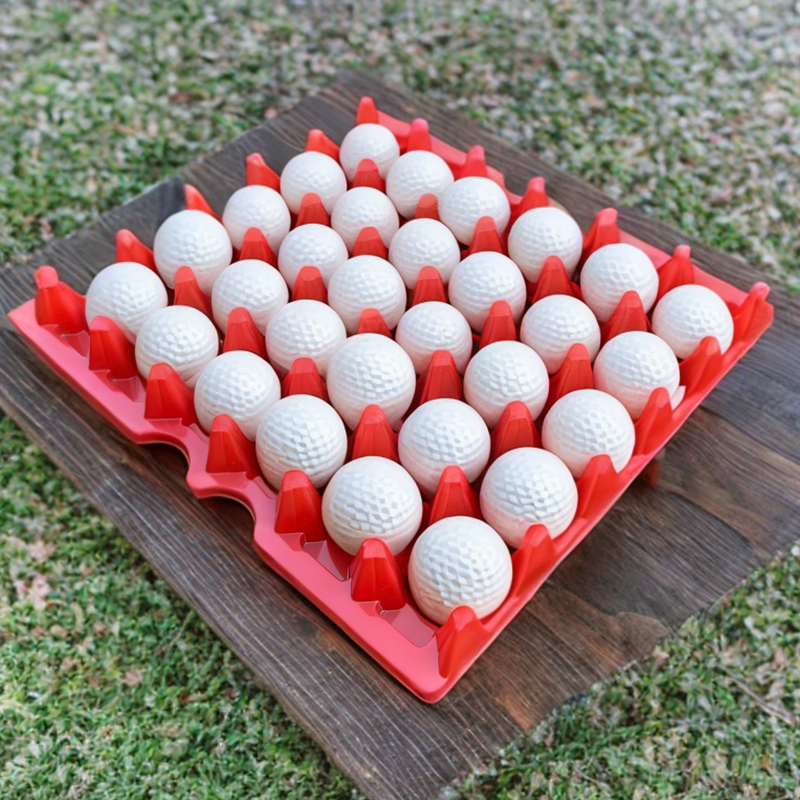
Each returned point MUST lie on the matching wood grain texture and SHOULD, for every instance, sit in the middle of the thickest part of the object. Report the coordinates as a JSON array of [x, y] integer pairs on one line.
[[726, 502]]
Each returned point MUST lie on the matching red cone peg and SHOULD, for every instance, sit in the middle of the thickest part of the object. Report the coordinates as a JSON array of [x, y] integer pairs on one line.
[[369, 243], [429, 287], [459, 639], [309, 285], [196, 202], [242, 334], [486, 237], [367, 111], [58, 304], [596, 486], [312, 210], [515, 429], [229, 450], [130, 248], [318, 142], [167, 397], [454, 497], [368, 174], [553, 279], [299, 507], [427, 207], [374, 436], [575, 373], [499, 326], [258, 173], [304, 378], [753, 315], [255, 245], [604, 231], [375, 576], [419, 136], [678, 271], [188, 293], [628, 316], [371, 321], [535, 197], [109, 349], [533, 560], [654, 422], [701, 368], [440, 380], [474, 165]]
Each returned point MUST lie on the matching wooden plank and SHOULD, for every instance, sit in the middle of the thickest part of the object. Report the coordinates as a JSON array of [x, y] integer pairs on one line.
[[726, 502]]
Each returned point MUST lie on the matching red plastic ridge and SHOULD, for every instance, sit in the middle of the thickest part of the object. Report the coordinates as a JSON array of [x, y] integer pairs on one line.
[[699, 370], [454, 497], [242, 334], [319, 142], [604, 230], [312, 210], [375, 576], [130, 248], [367, 112], [474, 165], [535, 197], [429, 287], [485, 237], [258, 173], [514, 429], [457, 639], [371, 321], [368, 174], [499, 326], [533, 560], [599, 479], [369, 243], [299, 507], [575, 373], [678, 271], [168, 397], [656, 416], [229, 450], [374, 435], [196, 202], [256, 246], [109, 349], [553, 279], [440, 380], [419, 136], [304, 378], [188, 292], [427, 207], [309, 285], [58, 304], [753, 313], [628, 316]]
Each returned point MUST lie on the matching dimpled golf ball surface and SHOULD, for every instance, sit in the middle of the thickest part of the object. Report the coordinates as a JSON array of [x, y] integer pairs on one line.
[[364, 207], [632, 365], [687, 314], [371, 369], [251, 284], [528, 486], [553, 324], [413, 175], [257, 207], [613, 270], [180, 336], [428, 327], [441, 433], [586, 423], [301, 432], [543, 232], [126, 293], [502, 372], [481, 280], [368, 141], [312, 172], [192, 239], [459, 561], [366, 282], [304, 329], [239, 384], [372, 497], [465, 201], [311, 245], [424, 243]]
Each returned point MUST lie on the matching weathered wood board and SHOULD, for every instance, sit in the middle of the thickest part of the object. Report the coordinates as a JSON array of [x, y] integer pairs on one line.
[[727, 501]]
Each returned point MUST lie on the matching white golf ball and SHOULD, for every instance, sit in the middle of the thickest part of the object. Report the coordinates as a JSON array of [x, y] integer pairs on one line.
[[366, 282], [502, 372], [428, 327], [687, 314], [464, 202], [371, 369], [257, 207], [543, 232], [180, 336], [300, 432], [424, 243], [528, 486], [251, 284], [369, 498], [613, 270], [239, 384], [312, 172], [553, 324], [482, 279], [127, 293], [364, 207], [632, 365], [311, 245], [304, 328], [441, 433], [413, 175], [368, 141], [192, 239], [459, 561], [586, 423]]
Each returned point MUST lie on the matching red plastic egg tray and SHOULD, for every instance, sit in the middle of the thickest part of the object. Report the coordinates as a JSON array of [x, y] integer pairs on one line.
[[367, 595]]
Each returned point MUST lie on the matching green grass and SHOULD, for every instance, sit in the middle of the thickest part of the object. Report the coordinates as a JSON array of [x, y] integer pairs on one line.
[[111, 686]]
